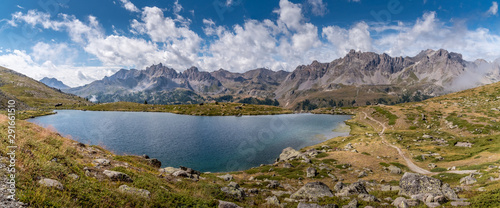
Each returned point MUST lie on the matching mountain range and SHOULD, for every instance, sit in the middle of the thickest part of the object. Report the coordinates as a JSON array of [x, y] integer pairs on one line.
[[53, 82], [359, 78]]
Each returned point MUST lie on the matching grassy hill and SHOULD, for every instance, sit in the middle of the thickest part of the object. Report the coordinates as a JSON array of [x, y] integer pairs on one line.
[[32, 94]]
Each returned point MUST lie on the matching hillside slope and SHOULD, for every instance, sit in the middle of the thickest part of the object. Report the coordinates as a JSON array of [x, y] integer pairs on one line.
[[32, 94]]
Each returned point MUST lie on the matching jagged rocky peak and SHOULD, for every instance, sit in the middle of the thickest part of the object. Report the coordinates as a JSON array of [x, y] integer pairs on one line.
[[159, 70], [53, 82]]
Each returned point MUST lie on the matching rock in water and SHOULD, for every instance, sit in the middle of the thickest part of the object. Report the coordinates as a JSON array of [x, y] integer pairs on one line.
[[51, 183], [288, 154], [312, 190], [134, 191], [117, 176]]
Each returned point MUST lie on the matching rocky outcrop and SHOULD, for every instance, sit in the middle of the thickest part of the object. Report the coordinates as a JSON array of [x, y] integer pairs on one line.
[[312, 190], [117, 176], [468, 180], [154, 162], [234, 190], [352, 189], [412, 184], [311, 172], [288, 154], [101, 162], [134, 191]]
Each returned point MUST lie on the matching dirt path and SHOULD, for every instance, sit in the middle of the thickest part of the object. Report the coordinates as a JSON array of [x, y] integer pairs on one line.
[[409, 163]]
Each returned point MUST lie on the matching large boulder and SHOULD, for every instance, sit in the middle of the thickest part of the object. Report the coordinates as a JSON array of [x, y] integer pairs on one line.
[[288, 154], [312, 190], [352, 189], [47, 182], [134, 191], [416, 184], [226, 177], [117, 176], [169, 170]]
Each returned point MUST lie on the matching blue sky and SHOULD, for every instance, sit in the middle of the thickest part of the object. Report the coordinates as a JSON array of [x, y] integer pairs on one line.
[[81, 41]]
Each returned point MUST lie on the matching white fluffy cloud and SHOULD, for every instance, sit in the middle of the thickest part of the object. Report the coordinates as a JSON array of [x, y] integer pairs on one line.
[[278, 44], [318, 7], [129, 6], [493, 9]]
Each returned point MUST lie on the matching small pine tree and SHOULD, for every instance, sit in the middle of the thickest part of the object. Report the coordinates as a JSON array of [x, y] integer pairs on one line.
[[145, 102]]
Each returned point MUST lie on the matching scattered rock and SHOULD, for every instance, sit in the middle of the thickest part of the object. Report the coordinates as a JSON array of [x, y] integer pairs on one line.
[[367, 198], [352, 189], [288, 154], [334, 179], [362, 174], [225, 204], [117, 176], [352, 204], [226, 177], [400, 202], [338, 186], [73, 176], [273, 184], [312, 190], [463, 144], [169, 170], [306, 205], [154, 162], [273, 200], [432, 165], [234, 189], [460, 203], [280, 193], [416, 184], [468, 180], [394, 170], [101, 162], [287, 165], [47, 182], [311, 172], [134, 191]]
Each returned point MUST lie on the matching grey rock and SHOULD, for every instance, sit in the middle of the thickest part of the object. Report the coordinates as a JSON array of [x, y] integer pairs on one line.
[[415, 184], [362, 174], [154, 162], [307, 205], [47, 182], [334, 179], [394, 170], [352, 189], [101, 162], [448, 192], [287, 165], [400, 202], [225, 204], [117, 176], [273, 200], [234, 189], [273, 184], [311, 172], [226, 177], [468, 180], [352, 204], [367, 198], [463, 144], [338, 186], [460, 204], [312, 190], [169, 170], [288, 154], [432, 165], [134, 191]]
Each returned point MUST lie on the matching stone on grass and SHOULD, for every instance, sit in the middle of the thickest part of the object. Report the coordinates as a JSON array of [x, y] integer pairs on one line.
[[47, 182], [134, 191], [312, 190], [117, 176]]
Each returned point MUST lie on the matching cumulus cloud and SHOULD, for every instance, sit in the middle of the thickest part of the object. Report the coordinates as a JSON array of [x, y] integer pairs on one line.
[[129, 6], [281, 43], [493, 9], [318, 7]]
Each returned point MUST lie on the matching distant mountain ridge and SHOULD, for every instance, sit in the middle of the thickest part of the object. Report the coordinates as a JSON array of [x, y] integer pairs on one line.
[[359, 78], [53, 82]]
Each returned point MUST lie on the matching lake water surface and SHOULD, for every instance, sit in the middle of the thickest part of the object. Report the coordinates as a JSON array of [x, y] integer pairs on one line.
[[205, 143]]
